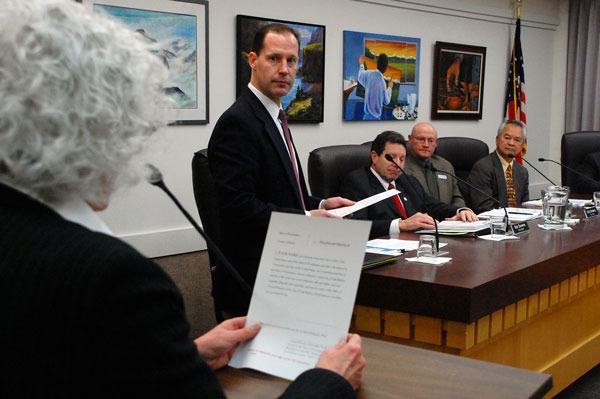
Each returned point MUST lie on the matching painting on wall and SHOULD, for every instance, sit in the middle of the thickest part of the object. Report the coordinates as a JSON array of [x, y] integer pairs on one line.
[[381, 77], [180, 28], [458, 77], [304, 102]]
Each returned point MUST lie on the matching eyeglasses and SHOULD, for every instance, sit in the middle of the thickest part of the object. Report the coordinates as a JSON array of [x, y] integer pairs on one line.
[[422, 140]]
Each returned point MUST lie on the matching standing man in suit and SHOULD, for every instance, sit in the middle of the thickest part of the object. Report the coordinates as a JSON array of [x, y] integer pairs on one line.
[[255, 165], [498, 174], [420, 157], [84, 315], [406, 211]]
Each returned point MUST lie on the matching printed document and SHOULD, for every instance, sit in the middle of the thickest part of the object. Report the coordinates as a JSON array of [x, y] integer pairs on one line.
[[347, 210], [304, 292]]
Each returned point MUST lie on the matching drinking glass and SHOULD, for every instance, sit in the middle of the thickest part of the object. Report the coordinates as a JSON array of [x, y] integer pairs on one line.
[[597, 199], [497, 226], [427, 246], [555, 202]]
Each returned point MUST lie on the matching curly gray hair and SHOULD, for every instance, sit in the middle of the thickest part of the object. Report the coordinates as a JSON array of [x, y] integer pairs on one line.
[[78, 97]]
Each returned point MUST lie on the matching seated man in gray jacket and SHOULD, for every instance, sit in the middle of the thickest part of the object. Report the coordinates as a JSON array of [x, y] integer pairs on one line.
[[498, 174], [420, 156]]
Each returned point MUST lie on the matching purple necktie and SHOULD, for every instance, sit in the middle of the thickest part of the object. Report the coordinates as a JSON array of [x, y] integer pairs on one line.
[[288, 141]]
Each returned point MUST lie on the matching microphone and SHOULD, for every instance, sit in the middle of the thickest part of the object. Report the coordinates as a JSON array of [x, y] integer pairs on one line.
[[569, 168], [537, 170], [437, 234], [476, 189], [154, 177]]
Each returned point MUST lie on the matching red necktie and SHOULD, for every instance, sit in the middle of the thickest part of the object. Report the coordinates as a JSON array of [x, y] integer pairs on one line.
[[398, 203], [288, 141]]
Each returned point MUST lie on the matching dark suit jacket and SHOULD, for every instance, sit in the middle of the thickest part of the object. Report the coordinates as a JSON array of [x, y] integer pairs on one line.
[[487, 175], [361, 184], [589, 167], [86, 316], [253, 174]]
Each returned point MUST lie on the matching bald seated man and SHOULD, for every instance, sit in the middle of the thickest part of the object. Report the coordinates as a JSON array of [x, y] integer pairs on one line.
[[422, 142]]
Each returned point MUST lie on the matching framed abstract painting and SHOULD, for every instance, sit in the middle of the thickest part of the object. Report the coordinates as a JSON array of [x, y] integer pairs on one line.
[[458, 77], [304, 102], [180, 27]]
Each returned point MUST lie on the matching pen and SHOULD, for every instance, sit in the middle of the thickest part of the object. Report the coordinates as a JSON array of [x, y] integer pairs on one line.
[[521, 213]]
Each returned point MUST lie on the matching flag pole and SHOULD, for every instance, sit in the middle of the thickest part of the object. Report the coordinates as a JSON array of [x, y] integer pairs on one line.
[[517, 117]]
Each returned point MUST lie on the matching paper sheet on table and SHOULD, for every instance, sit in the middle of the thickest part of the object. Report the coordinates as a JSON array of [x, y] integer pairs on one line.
[[347, 210], [575, 202], [439, 260], [490, 237], [395, 244], [304, 292], [514, 214]]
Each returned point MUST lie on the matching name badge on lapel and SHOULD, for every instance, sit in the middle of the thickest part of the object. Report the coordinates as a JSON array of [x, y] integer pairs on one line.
[[442, 177]]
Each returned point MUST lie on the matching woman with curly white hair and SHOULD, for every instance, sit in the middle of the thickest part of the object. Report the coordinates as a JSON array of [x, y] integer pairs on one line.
[[82, 313]]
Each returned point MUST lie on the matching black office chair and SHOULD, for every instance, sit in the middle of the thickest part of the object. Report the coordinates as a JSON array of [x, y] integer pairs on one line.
[[573, 149], [206, 200], [327, 166], [462, 153]]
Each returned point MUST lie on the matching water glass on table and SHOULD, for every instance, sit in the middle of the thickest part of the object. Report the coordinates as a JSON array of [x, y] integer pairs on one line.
[[427, 246], [555, 204], [497, 226]]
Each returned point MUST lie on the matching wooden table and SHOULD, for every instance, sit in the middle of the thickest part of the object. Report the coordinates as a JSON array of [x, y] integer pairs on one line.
[[398, 371], [532, 303]]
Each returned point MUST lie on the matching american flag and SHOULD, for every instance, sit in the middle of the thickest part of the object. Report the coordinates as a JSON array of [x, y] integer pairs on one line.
[[514, 101]]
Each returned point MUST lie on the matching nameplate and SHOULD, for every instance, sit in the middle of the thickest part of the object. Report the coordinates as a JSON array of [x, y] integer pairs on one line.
[[442, 177], [589, 212], [519, 228]]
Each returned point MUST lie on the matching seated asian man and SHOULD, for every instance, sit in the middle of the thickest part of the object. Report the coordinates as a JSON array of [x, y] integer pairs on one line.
[[412, 209]]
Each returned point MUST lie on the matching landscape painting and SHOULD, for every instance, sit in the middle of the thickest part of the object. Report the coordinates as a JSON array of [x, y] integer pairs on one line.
[[381, 77], [179, 30], [304, 102]]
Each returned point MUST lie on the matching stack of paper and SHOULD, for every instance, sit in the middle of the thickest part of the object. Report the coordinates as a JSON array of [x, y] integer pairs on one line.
[[391, 246], [452, 227], [514, 214]]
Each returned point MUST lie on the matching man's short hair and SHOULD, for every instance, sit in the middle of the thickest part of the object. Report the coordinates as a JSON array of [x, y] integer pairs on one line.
[[382, 62], [259, 36], [389, 136], [514, 123]]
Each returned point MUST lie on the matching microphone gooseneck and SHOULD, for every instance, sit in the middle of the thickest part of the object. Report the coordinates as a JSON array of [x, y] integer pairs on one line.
[[437, 234], [537, 170], [476, 189], [154, 177], [569, 168]]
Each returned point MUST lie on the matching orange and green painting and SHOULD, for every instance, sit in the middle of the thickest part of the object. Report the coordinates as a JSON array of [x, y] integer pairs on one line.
[[362, 50], [401, 56]]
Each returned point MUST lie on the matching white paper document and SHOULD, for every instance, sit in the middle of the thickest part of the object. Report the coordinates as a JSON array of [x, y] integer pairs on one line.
[[439, 260], [393, 243], [514, 214], [347, 210], [458, 227], [575, 202], [304, 292]]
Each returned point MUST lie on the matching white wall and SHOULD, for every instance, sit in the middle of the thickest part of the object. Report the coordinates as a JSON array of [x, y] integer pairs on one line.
[[144, 217]]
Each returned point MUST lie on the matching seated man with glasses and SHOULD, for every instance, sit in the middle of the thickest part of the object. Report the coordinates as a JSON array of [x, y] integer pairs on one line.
[[420, 156]]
